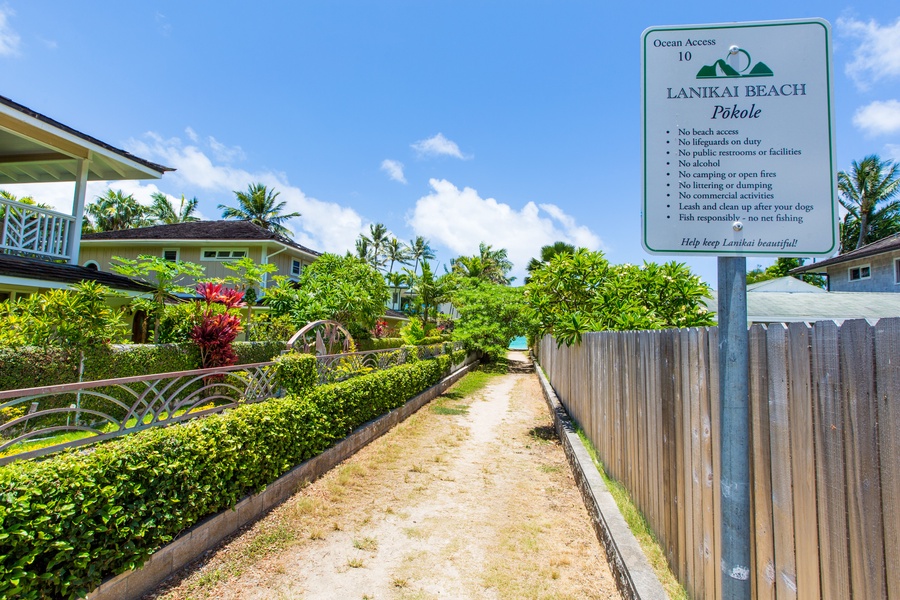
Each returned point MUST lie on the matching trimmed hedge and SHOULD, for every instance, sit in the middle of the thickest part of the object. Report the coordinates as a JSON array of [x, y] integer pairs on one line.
[[31, 366], [69, 521], [388, 343]]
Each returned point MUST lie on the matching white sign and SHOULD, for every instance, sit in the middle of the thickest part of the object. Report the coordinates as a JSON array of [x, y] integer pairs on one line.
[[739, 139]]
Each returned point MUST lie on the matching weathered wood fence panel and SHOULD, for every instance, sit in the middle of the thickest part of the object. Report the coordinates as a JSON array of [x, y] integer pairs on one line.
[[825, 435]]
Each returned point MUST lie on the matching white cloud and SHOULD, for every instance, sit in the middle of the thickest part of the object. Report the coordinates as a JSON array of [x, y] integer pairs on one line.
[[461, 219], [877, 56], [224, 153], [438, 145], [394, 169], [192, 135], [878, 118], [323, 226], [9, 39], [892, 152]]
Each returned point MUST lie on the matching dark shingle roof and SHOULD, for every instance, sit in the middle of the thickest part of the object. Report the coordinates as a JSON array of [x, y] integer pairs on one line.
[[199, 230], [888, 244], [42, 270], [53, 122]]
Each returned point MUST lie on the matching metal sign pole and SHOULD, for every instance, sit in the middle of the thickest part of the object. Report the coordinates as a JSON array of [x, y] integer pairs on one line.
[[735, 430]]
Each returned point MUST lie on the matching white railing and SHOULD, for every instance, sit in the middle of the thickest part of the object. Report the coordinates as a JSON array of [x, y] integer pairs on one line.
[[29, 230]]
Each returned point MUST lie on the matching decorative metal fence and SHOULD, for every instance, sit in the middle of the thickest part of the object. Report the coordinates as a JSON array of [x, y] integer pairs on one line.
[[42, 420]]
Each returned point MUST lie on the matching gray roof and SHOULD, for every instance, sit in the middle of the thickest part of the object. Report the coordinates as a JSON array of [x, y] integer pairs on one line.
[[888, 244], [42, 270], [784, 284], [784, 307]]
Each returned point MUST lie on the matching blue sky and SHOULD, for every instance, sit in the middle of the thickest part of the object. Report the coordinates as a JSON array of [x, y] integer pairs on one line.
[[514, 123]]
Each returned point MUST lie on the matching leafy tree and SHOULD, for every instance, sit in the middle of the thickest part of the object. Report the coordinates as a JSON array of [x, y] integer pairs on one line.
[[344, 288], [26, 200], [868, 193], [259, 205], [375, 244], [420, 250], [490, 316], [489, 265], [429, 291], [165, 276], [576, 293], [115, 211], [165, 212], [548, 252], [782, 268]]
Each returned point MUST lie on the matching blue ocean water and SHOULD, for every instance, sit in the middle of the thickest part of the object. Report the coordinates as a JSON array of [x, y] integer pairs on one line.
[[518, 343]]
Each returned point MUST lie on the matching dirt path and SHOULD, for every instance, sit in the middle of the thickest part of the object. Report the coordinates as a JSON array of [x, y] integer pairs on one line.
[[469, 498]]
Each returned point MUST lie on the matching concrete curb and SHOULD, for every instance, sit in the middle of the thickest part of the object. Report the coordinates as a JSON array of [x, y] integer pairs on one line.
[[206, 535], [634, 576]]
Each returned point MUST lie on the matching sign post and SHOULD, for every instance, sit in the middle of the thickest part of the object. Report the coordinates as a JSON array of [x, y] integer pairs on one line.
[[738, 154]]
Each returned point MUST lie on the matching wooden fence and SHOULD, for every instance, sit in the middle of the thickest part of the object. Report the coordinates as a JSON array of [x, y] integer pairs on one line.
[[825, 464]]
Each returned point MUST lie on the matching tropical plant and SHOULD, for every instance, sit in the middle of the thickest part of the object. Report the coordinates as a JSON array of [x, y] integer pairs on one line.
[[490, 316], [397, 253], [868, 192], [488, 265], [114, 211], [259, 206], [248, 278], [413, 332], [375, 244], [166, 277], [343, 288], [576, 293], [548, 252], [217, 331], [165, 212], [420, 250], [26, 200], [429, 291]]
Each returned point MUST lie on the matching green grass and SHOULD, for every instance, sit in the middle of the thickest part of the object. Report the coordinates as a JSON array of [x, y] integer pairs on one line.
[[449, 403], [638, 525]]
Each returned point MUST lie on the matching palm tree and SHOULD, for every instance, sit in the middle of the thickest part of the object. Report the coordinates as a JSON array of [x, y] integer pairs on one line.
[[496, 264], [27, 200], [375, 242], [548, 252], [868, 192], [114, 211], [164, 211], [258, 205], [420, 250], [397, 252]]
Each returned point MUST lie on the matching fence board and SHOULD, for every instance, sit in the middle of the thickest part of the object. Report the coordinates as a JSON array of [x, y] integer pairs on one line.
[[803, 467], [887, 382], [825, 435], [780, 443], [830, 491], [861, 450], [763, 581]]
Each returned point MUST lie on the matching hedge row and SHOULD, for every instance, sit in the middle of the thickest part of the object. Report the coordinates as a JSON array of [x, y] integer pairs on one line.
[[69, 521], [32, 367], [388, 343]]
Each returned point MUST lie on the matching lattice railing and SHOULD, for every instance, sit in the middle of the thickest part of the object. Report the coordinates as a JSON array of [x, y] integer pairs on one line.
[[29, 230], [38, 421]]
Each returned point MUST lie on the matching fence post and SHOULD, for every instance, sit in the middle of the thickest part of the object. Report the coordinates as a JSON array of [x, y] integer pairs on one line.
[[735, 476]]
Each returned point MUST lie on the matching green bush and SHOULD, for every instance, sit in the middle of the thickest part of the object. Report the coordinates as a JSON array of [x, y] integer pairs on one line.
[[69, 521], [257, 352], [296, 372], [396, 342]]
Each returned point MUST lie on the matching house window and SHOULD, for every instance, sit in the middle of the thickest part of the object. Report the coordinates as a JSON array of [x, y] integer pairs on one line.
[[92, 265], [296, 268], [170, 254], [222, 253], [863, 272]]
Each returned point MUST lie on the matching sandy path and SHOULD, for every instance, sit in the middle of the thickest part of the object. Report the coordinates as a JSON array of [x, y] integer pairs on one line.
[[469, 498]]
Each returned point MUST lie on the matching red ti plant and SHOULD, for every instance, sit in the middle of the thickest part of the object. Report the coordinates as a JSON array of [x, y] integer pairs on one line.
[[380, 330], [216, 332]]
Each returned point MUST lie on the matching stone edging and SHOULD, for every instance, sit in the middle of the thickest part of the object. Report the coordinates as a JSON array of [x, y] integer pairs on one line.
[[132, 585], [634, 576]]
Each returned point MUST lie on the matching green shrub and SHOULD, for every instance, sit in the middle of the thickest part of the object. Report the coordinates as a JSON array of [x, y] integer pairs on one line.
[[413, 333], [69, 521], [257, 352], [296, 372]]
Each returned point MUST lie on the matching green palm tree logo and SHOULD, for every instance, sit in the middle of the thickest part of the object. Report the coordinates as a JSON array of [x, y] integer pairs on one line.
[[722, 70]]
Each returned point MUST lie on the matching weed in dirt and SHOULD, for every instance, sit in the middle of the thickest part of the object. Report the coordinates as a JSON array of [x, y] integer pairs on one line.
[[474, 381], [355, 563], [399, 582], [544, 433], [414, 532], [317, 534], [267, 542], [549, 468], [417, 468], [449, 410], [367, 544], [336, 526]]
